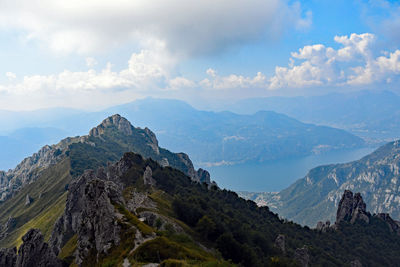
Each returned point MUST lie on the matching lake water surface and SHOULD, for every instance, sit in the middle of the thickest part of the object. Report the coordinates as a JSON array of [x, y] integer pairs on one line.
[[276, 175]]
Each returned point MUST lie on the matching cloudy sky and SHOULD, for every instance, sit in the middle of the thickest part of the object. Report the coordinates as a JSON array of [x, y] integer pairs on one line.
[[97, 53]]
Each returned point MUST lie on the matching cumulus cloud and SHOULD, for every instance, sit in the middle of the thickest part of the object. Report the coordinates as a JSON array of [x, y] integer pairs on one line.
[[355, 63], [146, 70], [232, 81], [186, 27]]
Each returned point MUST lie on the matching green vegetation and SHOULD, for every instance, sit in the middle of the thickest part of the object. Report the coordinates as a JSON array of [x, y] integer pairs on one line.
[[67, 251], [44, 222], [48, 193]]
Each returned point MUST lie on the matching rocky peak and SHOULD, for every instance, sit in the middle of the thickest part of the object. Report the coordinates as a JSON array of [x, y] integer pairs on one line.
[[117, 121], [33, 252], [352, 208]]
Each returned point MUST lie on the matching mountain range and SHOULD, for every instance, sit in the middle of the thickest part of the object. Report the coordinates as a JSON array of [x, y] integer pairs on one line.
[[210, 138], [369, 114], [84, 202]]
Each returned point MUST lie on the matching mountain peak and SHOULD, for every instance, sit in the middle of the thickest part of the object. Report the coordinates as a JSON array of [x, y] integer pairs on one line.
[[117, 121]]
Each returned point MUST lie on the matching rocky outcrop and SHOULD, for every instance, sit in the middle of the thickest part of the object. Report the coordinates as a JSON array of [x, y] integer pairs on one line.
[[33, 252], [28, 200], [90, 214], [148, 177], [203, 176], [302, 256], [280, 243], [323, 226], [352, 208], [8, 257], [96, 210]]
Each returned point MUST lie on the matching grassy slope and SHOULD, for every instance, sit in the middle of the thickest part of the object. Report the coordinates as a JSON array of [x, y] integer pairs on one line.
[[43, 211]]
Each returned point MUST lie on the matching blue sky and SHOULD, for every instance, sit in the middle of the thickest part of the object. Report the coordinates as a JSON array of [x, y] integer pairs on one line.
[[96, 54]]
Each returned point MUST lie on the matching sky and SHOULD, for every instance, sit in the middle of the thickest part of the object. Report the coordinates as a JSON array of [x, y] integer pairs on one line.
[[97, 53]]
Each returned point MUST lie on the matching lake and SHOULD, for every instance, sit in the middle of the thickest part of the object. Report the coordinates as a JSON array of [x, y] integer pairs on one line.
[[276, 175]]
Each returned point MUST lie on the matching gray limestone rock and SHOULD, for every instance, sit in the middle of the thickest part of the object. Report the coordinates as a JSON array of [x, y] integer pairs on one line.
[[148, 177], [90, 214], [352, 208], [8, 257], [323, 226], [280, 243], [28, 200], [302, 256], [35, 252]]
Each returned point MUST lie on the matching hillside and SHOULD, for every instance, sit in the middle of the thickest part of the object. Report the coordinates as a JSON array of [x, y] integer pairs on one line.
[[40, 181], [317, 195], [136, 212]]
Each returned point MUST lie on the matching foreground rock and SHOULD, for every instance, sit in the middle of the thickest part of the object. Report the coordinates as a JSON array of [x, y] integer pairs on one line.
[[33, 252]]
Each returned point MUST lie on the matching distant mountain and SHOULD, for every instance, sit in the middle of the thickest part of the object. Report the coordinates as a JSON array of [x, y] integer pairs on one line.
[[372, 114], [225, 137], [316, 196], [209, 137]]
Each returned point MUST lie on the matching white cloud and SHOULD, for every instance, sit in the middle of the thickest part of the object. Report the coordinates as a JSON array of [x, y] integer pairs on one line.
[[180, 83], [11, 75], [91, 62], [355, 63], [232, 81], [186, 27], [146, 70]]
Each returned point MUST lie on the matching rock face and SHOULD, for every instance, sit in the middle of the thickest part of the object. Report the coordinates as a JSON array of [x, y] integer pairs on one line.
[[147, 177], [90, 214], [323, 226], [28, 200], [33, 252], [302, 256], [352, 208], [280, 243], [8, 257]]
